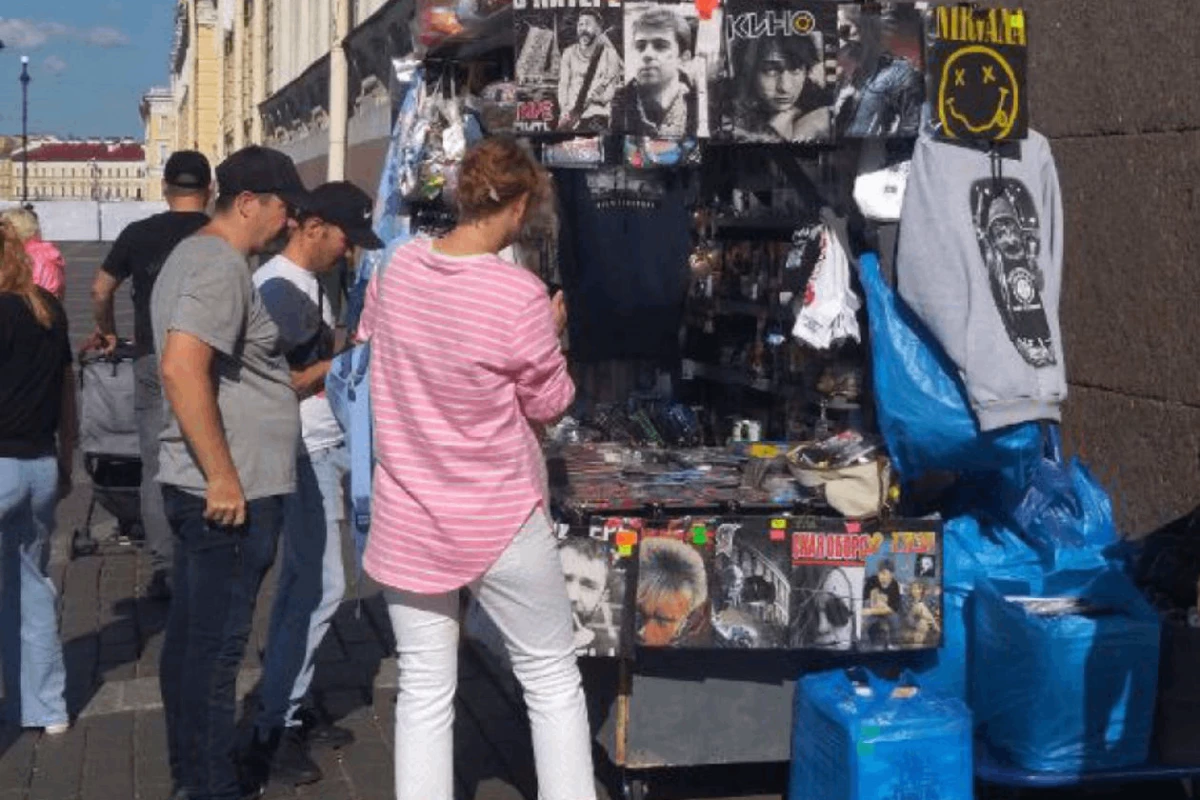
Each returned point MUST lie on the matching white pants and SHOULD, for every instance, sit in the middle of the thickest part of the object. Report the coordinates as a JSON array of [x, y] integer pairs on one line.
[[526, 596]]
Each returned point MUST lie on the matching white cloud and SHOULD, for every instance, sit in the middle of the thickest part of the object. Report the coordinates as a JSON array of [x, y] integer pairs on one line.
[[104, 36], [29, 34], [54, 65]]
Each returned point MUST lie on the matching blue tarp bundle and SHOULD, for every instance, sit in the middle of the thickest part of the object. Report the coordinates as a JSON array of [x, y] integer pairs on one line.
[[920, 401], [1072, 692], [972, 551], [858, 737]]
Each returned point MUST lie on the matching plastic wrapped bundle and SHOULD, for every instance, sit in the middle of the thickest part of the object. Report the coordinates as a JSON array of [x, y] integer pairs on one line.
[[1064, 678], [972, 551], [857, 737]]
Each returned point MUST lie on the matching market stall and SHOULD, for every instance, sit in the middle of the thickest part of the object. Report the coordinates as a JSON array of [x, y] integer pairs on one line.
[[812, 254]]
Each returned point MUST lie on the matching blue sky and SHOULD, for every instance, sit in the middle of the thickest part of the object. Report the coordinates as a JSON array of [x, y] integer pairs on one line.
[[90, 61]]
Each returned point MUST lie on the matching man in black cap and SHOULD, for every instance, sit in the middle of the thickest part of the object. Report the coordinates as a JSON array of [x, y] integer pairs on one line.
[[311, 576], [139, 253], [227, 459]]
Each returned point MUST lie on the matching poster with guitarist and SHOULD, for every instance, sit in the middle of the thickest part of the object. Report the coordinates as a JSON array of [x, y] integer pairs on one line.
[[569, 67]]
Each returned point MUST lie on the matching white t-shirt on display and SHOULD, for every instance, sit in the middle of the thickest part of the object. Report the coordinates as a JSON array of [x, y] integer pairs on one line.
[[291, 295]]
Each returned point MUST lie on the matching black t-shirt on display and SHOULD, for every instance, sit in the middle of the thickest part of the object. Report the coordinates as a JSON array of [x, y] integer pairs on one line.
[[139, 253], [623, 255], [33, 361]]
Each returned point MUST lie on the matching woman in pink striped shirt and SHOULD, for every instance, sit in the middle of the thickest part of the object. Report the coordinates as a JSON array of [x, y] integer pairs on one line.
[[465, 361]]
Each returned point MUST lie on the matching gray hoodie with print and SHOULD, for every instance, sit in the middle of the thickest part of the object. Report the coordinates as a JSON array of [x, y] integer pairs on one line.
[[979, 261]]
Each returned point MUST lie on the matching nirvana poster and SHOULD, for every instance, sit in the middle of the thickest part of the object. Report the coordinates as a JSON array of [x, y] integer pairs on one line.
[[881, 78], [670, 57], [569, 64], [977, 59], [780, 78]]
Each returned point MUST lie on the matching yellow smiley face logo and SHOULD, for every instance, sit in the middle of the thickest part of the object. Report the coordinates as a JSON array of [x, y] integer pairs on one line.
[[978, 94]]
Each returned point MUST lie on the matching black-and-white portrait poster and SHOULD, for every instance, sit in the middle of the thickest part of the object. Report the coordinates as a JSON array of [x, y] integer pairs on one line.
[[569, 64], [881, 78], [596, 571], [669, 52], [782, 67], [751, 583]]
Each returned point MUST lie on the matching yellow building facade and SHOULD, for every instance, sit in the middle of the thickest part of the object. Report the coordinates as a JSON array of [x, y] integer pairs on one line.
[[158, 117], [230, 56], [80, 170]]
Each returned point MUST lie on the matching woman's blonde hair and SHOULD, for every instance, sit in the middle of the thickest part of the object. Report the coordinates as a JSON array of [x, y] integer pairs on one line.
[[24, 222], [16, 274]]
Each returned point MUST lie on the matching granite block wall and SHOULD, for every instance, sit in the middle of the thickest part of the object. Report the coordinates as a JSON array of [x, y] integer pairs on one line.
[[1114, 84]]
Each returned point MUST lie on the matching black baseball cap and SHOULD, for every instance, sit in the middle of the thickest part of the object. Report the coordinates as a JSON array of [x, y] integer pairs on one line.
[[188, 169], [350, 208], [262, 170]]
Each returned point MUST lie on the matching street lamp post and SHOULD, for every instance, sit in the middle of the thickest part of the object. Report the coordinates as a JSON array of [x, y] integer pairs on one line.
[[96, 194], [25, 129]]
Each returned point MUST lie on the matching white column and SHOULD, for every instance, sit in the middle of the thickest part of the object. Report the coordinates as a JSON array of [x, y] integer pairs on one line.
[[339, 92]]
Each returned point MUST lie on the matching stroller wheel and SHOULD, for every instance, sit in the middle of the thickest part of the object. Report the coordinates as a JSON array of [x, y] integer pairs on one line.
[[82, 544]]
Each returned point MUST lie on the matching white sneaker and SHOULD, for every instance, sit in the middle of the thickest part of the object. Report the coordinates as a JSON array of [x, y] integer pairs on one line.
[[57, 730]]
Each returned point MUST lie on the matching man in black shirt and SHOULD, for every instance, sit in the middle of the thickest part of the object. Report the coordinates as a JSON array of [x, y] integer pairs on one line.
[[139, 253]]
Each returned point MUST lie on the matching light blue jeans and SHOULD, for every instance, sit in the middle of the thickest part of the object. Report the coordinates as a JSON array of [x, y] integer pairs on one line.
[[34, 673], [312, 583]]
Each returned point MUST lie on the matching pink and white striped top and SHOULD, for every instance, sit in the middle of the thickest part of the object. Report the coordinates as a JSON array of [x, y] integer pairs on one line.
[[463, 353]]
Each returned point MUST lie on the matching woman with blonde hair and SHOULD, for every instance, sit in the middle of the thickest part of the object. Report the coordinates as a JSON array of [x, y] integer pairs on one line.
[[37, 439], [465, 363], [49, 267]]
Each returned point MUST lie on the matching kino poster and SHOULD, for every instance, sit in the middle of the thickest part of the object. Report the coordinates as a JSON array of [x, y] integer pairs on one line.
[[569, 65], [780, 79], [977, 60]]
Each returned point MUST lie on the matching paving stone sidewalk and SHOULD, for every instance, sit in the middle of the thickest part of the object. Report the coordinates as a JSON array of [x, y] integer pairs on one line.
[[117, 747]]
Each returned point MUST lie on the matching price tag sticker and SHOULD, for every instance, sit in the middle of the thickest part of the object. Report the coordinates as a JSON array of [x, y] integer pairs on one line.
[[626, 539], [699, 534], [1017, 20], [778, 530], [625, 550]]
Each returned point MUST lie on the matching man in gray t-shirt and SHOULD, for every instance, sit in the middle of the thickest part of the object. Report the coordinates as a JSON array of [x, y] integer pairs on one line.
[[226, 461], [206, 293]]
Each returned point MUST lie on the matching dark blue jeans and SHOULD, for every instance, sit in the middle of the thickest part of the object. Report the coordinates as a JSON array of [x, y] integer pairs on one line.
[[217, 574]]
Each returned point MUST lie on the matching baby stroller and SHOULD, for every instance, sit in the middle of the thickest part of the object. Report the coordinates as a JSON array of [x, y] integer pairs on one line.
[[108, 437]]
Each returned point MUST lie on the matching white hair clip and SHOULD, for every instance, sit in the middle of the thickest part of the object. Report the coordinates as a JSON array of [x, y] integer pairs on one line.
[[492, 193]]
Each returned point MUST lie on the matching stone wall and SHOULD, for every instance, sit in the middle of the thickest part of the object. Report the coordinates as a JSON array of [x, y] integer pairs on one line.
[[1113, 84]]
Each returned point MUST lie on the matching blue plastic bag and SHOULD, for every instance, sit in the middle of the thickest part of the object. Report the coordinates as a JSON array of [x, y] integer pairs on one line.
[[1068, 693], [1065, 513], [390, 221], [858, 737], [921, 403], [972, 551]]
